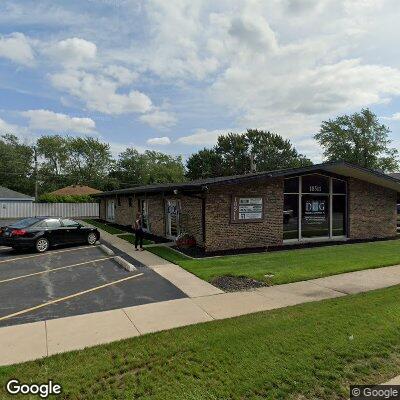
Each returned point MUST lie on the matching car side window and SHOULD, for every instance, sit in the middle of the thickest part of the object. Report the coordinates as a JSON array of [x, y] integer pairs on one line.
[[70, 223], [53, 223]]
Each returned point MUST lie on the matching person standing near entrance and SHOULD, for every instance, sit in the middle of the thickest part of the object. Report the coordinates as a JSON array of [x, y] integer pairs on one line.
[[139, 233]]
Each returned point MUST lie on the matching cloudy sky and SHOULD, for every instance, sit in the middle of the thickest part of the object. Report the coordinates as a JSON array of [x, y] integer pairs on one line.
[[172, 75]]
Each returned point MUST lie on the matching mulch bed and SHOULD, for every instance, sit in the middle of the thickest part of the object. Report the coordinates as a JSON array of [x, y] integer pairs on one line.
[[236, 283]]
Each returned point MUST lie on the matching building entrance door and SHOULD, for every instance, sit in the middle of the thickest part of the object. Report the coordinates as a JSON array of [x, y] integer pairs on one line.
[[172, 211]]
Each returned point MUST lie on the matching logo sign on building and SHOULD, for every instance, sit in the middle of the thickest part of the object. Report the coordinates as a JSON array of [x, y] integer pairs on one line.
[[247, 209], [315, 211]]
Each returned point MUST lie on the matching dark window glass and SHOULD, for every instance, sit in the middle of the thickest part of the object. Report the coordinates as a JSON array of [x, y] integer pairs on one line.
[[119, 201], [291, 185], [291, 216], [315, 184], [130, 201], [53, 223], [69, 223], [338, 186], [338, 215], [24, 223], [314, 216]]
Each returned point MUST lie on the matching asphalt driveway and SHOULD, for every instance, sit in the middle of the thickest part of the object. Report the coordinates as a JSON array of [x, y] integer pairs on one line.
[[71, 281]]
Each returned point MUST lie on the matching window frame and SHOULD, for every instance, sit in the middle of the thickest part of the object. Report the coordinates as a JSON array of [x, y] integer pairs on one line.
[[330, 196]]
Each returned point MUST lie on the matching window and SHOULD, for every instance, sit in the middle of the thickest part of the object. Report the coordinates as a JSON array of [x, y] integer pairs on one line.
[[24, 223], [119, 201], [70, 223], [53, 223], [292, 185], [315, 206], [247, 209], [291, 216], [315, 184], [130, 201]]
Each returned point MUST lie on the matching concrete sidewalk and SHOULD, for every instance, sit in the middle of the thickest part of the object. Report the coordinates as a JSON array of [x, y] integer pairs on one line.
[[20, 343], [30, 341]]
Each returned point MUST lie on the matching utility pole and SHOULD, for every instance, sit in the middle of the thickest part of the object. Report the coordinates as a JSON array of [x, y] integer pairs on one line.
[[36, 172]]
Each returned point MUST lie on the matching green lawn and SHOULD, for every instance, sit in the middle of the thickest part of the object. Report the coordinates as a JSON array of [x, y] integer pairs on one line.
[[291, 265], [310, 351], [130, 237], [105, 227]]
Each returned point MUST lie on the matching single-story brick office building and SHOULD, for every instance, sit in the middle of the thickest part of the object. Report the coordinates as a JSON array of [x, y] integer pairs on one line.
[[330, 201]]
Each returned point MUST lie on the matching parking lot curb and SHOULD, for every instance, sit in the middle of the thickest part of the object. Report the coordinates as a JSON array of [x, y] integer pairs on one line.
[[124, 264], [106, 250]]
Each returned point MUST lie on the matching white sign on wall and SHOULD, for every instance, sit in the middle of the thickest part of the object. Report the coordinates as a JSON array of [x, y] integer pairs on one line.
[[247, 209]]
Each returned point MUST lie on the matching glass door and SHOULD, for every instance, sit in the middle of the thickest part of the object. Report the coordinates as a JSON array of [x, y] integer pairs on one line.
[[144, 211], [172, 218], [315, 216]]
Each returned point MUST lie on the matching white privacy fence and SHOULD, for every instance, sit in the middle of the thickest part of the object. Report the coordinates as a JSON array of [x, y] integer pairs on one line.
[[67, 210]]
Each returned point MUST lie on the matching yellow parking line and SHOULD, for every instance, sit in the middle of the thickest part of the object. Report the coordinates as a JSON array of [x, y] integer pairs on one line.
[[54, 269], [67, 297], [46, 254]]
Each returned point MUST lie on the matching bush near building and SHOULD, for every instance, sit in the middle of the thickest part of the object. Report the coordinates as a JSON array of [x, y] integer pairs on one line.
[[53, 198]]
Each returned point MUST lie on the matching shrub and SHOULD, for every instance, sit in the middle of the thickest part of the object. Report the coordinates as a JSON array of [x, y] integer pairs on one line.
[[53, 198], [185, 240]]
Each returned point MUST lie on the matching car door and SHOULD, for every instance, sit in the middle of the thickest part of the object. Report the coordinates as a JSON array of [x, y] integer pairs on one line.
[[53, 230], [72, 231]]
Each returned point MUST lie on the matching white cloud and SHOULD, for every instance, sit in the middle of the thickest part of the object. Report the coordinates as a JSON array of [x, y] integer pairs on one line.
[[394, 117], [159, 119], [56, 122], [72, 51], [203, 137], [159, 141], [6, 128], [100, 93], [16, 47], [123, 75]]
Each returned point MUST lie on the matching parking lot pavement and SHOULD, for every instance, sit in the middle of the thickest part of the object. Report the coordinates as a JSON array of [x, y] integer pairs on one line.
[[72, 281]]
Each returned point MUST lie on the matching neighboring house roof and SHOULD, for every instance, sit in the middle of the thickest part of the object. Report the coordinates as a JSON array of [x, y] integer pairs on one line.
[[395, 175], [8, 194], [76, 190], [336, 167]]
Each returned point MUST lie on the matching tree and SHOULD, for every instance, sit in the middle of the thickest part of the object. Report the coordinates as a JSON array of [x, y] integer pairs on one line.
[[89, 161], [271, 151], [206, 163], [359, 139], [53, 154], [134, 168], [16, 165], [233, 152]]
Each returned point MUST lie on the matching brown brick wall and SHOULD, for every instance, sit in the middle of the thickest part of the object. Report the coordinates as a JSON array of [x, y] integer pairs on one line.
[[156, 211], [191, 217], [372, 211], [221, 234]]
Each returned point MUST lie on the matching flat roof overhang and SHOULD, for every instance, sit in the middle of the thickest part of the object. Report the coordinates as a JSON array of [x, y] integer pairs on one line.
[[340, 168]]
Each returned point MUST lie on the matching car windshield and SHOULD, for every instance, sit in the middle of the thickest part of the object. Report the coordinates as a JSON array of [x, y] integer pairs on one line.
[[24, 223]]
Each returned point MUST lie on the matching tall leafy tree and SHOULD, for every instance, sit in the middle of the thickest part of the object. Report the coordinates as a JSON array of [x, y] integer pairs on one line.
[[271, 151], [204, 164], [134, 168], [16, 165], [233, 153], [89, 161], [53, 153], [360, 139]]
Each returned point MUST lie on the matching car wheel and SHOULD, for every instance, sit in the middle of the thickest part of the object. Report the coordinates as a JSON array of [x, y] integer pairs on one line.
[[42, 245], [92, 238]]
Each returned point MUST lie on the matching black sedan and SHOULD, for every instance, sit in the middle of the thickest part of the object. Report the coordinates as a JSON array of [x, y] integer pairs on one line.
[[42, 232]]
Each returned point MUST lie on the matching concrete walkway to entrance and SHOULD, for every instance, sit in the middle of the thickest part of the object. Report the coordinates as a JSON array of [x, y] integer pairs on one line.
[[20, 343]]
